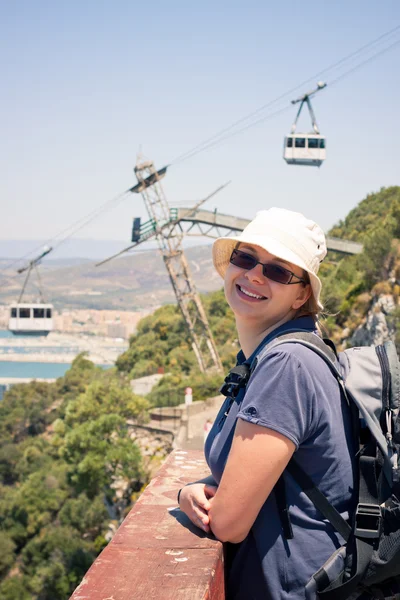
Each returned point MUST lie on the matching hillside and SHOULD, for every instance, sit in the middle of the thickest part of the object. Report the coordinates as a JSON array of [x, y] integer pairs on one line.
[[361, 293]]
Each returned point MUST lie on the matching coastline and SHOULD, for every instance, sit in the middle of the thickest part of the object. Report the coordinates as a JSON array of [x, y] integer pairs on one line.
[[60, 348]]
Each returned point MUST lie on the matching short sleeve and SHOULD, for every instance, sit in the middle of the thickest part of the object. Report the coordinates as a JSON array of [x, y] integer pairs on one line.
[[281, 396]]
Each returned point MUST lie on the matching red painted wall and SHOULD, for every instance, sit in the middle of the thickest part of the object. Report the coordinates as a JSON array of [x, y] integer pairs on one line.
[[157, 553]]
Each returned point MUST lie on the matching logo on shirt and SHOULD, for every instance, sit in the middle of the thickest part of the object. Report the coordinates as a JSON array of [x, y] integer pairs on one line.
[[251, 411]]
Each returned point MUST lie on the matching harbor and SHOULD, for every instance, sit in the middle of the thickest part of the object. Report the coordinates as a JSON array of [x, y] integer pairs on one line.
[[55, 349]]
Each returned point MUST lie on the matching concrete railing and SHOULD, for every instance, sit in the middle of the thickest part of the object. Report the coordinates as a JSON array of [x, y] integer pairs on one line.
[[157, 552]]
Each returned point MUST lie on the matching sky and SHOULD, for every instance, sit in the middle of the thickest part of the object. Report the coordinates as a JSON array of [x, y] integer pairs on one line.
[[87, 84]]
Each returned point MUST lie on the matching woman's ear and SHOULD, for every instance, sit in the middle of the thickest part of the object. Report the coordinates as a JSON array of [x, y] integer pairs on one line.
[[302, 297]]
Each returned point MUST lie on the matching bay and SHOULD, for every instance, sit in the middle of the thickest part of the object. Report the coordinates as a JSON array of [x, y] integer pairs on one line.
[[35, 370], [32, 370], [4, 333]]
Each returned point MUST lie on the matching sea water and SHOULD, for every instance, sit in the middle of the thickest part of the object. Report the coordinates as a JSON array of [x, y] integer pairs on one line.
[[34, 370]]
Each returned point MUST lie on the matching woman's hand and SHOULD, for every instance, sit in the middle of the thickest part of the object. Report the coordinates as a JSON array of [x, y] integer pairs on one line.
[[195, 501]]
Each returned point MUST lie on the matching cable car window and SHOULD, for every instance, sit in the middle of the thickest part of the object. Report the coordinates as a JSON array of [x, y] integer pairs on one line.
[[289, 143], [313, 143], [300, 142], [48, 313], [24, 313], [322, 143], [13, 313], [38, 313]]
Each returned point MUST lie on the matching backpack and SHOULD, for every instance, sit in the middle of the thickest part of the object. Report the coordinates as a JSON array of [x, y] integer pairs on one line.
[[368, 564]]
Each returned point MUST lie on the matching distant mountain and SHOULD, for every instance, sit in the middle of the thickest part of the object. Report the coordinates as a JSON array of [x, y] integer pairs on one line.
[[131, 282], [73, 248]]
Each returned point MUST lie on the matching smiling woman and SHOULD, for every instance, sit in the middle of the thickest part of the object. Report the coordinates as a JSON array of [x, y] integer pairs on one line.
[[292, 405]]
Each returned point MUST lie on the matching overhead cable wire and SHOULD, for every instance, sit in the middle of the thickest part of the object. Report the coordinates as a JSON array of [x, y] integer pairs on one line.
[[244, 128], [207, 143], [67, 232], [367, 60], [73, 228], [91, 216]]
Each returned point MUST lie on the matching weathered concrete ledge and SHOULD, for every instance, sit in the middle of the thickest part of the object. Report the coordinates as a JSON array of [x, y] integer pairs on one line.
[[157, 553]]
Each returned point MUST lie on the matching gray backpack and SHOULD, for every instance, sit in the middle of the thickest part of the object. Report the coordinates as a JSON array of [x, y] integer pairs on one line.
[[368, 565]]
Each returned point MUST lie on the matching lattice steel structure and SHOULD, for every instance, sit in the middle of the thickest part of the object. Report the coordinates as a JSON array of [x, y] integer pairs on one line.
[[206, 223], [169, 238]]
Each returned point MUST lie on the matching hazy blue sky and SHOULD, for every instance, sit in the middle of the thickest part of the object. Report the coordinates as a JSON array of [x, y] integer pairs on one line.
[[86, 83]]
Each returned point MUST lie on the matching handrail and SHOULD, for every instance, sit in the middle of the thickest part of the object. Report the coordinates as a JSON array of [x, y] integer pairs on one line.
[[157, 552]]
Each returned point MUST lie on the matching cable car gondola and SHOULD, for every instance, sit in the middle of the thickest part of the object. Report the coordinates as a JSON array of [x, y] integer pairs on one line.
[[31, 319], [34, 318], [305, 149]]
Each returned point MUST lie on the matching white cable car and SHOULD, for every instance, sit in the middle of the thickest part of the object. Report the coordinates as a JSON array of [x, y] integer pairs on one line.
[[31, 319], [306, 149], [34, 318]]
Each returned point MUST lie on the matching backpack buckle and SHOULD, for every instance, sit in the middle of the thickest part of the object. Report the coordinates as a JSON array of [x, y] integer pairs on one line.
[[368, 518], [236, 379]]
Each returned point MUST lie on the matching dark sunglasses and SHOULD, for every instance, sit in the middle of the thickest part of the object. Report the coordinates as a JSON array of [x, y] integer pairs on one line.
[[270, 270]]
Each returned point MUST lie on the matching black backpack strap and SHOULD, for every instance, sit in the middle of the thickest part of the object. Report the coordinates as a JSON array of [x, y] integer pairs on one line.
[[366, 532], [283, 509], [307, 485], [366, 524]]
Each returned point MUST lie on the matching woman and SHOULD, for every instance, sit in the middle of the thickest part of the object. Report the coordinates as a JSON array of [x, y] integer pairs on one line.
[[292, 405]]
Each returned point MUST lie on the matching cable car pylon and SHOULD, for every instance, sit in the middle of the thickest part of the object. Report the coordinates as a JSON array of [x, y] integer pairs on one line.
[[169, 236], [305, 149]]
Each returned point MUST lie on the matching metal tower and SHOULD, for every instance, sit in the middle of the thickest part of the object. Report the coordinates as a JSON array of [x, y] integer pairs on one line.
[[212, 224], [169, 238]]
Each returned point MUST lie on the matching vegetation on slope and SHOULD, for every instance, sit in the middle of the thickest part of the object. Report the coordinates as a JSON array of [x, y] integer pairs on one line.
[[162, 343], [352, 284], [64, 448]]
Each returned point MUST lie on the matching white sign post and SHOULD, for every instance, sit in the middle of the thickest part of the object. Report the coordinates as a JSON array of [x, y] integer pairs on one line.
[[188, 395], [188, 401]]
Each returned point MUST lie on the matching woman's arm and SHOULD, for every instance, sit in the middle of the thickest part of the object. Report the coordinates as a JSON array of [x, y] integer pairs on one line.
[[257, 458]]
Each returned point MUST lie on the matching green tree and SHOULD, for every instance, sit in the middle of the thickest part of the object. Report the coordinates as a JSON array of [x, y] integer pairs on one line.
[[39, 498], [15, 588], [100, 451], [105, 396], [26, 410], [89, 516], [7, 553], [10, 454], [55, 562]]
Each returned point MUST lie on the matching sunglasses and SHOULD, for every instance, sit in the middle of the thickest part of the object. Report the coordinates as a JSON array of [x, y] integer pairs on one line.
[[270, 270]]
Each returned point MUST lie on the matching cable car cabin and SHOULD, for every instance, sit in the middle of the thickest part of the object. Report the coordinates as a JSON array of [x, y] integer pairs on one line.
[[31, 319], [307, 149]]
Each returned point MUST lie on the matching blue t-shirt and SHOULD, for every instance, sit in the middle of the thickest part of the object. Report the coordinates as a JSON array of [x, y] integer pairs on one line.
[[291, 391]]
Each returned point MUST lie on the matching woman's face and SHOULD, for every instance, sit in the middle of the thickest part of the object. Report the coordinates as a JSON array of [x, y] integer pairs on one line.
[[253, 297]]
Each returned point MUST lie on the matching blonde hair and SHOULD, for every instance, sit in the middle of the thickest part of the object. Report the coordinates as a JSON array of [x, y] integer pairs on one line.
[[310, 306]]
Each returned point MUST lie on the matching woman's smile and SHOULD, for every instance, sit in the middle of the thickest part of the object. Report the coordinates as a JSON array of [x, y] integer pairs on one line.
[[249, 294]]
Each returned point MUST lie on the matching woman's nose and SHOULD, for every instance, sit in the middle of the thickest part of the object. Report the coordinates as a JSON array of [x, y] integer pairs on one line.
[[256, 273]]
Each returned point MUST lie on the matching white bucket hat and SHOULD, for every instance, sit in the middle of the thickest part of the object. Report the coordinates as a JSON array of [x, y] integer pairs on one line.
[[285, 234]]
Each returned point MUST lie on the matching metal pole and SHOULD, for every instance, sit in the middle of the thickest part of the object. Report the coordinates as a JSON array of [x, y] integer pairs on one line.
[[24, 286], [312, 115]]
